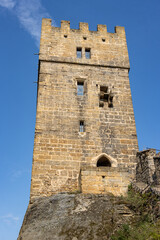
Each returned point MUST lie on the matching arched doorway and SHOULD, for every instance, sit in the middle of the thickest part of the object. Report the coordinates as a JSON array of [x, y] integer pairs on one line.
[[103, 161]]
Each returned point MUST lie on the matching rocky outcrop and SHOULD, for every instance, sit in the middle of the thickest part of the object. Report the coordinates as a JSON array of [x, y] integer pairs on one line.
[[74, 217]]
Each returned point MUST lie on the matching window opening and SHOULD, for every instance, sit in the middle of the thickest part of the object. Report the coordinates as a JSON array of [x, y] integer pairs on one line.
[[88, 53], [80, 88], [81, 126], [65, 36], [103, 97], [103, 162], [103, 93], [110, 100], [84, 38], [103, 39], [79, 52]]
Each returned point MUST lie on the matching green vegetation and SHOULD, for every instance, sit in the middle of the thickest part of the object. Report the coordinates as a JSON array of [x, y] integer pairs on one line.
[[140, 231], [145, 225]]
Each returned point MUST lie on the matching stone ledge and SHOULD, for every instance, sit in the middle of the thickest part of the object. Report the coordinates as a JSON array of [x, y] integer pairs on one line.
[[69, 60], [105, 169]]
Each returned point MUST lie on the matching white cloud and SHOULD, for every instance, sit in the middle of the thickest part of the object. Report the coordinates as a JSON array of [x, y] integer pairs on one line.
[[7, 3], [29, 13], [16, 174], [9, 218]]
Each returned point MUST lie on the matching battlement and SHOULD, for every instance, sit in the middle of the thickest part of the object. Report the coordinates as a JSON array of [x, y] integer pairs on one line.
[[60, 44], [84, 27]]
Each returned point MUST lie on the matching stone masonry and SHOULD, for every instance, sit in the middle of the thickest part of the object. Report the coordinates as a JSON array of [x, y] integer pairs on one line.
[[104, 180], [157, 169], [147, 172], [85, 123], [145, 166]]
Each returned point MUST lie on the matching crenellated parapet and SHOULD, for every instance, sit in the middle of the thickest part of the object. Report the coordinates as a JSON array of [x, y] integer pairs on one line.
[[83, 27], [61, 43]]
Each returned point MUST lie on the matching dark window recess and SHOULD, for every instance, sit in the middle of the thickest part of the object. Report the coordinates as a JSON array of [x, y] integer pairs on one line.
[[81, 126], [104, 93], [65, 36], [103, 39], [88, 53], [110, 100], [79, 52], [84, 38], [105, 96], [103, 162], [80, 88]]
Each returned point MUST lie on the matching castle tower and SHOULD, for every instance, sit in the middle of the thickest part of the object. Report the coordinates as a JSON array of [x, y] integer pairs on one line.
[[85, 135]]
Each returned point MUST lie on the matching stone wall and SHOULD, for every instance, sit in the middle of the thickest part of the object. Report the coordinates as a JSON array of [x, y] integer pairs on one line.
[[145, 166], [60, 149], [107, 49], [105, 180], [147, 172], [157, 168]]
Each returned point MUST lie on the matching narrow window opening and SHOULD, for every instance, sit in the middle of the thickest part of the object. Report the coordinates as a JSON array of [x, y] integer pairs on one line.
[[84, 38], [103, 95], [79, 52], [110, 100], [80, 88], [81, 126], [103, 39], [103, 89], [103, 176], [65, 36], [103, 162], [88, 53]]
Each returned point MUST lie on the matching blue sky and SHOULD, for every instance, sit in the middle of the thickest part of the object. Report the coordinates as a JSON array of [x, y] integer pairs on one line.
[[20, 22]]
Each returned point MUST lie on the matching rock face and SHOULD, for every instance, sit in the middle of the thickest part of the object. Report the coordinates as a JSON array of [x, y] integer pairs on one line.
[[74, 217]]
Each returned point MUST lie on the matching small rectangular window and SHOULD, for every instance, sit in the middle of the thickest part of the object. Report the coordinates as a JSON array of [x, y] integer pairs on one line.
[[80, 88], [79, 52], [88, 53], [81, 126]]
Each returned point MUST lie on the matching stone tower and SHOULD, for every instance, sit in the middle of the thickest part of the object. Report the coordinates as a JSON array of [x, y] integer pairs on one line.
[[85, 135]]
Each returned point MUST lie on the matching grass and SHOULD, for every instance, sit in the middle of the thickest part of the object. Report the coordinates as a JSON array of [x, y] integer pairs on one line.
[[145, 225]]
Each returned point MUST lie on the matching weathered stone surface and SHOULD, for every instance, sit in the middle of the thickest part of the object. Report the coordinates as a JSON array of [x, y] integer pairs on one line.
[[60, 149], [147, 172], [104, 180], [74, 217], [59, 44], [145, 166], [157, 169]]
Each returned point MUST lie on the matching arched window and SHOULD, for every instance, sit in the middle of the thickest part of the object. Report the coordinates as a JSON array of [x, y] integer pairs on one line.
[[103, 162]]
